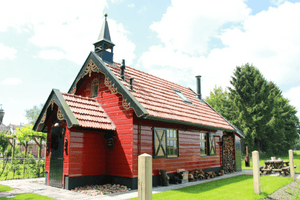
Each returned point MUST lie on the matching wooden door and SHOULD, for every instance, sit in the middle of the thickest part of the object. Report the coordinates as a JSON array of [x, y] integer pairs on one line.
[[57, 157]]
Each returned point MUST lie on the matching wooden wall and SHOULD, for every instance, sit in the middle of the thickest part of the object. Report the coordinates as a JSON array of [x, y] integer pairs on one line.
[[86, 153], [189, 148], [118, 160]]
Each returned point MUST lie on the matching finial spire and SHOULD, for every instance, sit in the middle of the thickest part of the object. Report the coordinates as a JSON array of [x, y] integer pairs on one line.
[[104, 45]]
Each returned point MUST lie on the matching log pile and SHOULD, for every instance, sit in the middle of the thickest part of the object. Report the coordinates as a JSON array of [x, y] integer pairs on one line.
[[228, 154], [184, 176], [198, 174]]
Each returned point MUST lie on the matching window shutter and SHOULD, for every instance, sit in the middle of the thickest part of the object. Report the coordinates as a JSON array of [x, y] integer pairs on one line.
[[212, 144], [160, 139]]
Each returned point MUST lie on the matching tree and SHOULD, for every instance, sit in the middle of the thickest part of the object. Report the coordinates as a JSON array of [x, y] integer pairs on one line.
[[258, 108], [265, 116], [33, 113], [219, 100], [24, 135]]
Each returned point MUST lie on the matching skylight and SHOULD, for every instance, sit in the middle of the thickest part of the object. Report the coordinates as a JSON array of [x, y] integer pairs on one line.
[[184, 98]]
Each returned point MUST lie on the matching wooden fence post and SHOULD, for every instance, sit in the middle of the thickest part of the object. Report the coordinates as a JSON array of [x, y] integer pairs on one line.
[[145, 177], [256, 173], [292, 170]]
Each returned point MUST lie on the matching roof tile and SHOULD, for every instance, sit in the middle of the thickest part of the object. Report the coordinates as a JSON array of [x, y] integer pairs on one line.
[[88, 112], [158, 98]]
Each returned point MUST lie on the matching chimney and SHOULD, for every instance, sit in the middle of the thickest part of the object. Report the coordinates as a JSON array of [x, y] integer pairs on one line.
[[122, 75], [131, 83], [198, 82]]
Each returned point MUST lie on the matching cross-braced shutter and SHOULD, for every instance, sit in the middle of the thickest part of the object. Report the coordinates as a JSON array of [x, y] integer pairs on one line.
[[160, 139], [212, 144]]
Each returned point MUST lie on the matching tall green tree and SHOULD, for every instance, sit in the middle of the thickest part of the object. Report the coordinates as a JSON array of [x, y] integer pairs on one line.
[[33, 113], [258, 108], [219, 100]]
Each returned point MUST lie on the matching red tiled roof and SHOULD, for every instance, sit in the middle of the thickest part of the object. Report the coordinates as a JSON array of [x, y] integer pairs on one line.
[[88, 112], [158, 98]]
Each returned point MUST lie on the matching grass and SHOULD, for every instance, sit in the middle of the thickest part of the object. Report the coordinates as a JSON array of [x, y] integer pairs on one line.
[[239, 187], [4, 188], [28, 196], [261, 161]]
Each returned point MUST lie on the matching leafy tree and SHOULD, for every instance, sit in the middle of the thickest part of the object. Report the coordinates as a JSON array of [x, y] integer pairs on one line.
[[33, 113], [24, 135], [258, 108], [219, 100]]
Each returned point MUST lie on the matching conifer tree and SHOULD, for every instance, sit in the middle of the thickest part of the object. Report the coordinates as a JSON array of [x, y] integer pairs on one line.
[[257, 107]]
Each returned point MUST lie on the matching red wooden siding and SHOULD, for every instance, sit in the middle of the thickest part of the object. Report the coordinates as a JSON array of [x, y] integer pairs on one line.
[[87, 153], [118, 161], [189, 148]]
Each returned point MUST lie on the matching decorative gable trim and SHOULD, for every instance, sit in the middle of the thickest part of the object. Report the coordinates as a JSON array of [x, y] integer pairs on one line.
[[95, 64], [63, 113]]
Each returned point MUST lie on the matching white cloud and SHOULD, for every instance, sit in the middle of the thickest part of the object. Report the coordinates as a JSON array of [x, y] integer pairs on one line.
[[52, 54], [189, 25], [11, 81], [270, 40], [277, 2], [7, 52], [294, 95], [124, 48], [131, 5], [71, 27]]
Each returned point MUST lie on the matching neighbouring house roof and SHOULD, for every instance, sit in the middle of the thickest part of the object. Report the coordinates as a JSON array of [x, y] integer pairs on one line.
[[76, 110], [153, 98]]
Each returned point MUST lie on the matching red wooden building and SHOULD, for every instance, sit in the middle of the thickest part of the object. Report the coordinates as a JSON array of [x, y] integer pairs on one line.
[[113, 113]]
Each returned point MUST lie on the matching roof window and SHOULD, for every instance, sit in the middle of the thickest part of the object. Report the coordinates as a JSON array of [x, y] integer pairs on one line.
[[184, 98]]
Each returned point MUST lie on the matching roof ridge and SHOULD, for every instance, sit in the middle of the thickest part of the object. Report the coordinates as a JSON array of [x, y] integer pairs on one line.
[[79, 96]]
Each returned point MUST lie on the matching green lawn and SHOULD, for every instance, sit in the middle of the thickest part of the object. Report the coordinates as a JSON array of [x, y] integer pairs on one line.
[[261, 161], [4, 188], [28, 196], [239, 187]]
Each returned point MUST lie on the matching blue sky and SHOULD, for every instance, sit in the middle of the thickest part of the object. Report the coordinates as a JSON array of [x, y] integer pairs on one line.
[[43, 44]]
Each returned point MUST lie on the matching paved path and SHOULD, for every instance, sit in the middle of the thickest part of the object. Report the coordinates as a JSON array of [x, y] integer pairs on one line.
[[29, 186]]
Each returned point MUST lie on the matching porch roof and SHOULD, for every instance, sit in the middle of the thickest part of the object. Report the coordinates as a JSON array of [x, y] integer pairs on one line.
[[88, 112], [78, 111]]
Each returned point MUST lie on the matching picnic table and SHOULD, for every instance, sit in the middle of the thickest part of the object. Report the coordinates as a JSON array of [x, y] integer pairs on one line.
[[276, 166]]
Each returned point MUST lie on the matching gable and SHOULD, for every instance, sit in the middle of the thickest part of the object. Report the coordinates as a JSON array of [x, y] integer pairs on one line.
[[95, 64], [77, 111]]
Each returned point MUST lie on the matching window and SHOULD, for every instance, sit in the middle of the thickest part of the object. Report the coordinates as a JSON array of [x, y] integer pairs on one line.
[[184, 98], [165, 143], [207, 144], [203, 144], [94, 88]]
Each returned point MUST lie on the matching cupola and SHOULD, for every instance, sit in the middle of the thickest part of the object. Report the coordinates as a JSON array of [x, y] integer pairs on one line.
[[104, 46]]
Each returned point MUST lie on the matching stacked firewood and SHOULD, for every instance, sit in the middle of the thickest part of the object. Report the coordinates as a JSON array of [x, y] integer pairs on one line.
[[228, 155], [198, 174]]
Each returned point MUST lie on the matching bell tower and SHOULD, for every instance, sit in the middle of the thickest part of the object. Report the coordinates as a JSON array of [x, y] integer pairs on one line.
[[104, 47]]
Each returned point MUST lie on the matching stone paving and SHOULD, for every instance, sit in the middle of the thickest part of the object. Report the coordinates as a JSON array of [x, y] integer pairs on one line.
[[28, 186]]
